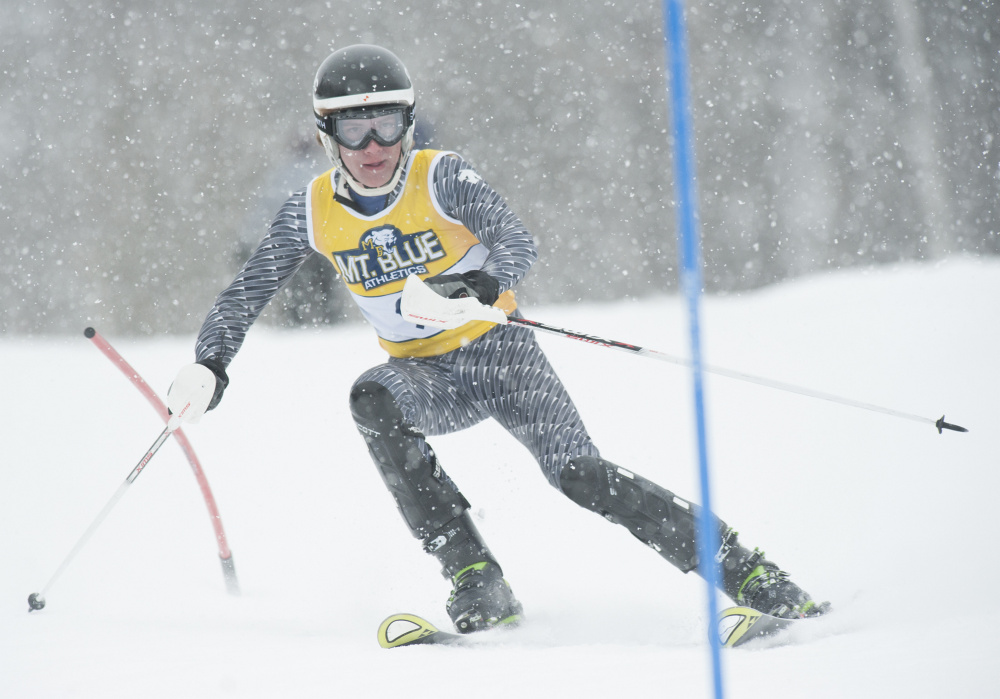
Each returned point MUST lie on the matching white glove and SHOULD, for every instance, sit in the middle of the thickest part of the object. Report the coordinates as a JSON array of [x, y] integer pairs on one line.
[[191, 393]]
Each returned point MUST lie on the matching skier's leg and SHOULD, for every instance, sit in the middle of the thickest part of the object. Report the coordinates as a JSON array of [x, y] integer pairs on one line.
[[430, 503], [510, 377], [666, 523]]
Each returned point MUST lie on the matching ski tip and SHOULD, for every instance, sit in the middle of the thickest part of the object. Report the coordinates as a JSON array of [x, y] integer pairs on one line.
[[405, 629], [89, 333], [739, 625], [734, 623], [942, 426]]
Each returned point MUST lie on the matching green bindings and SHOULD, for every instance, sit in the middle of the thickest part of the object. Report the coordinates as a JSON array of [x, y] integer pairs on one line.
[[482, 599], [753, 581]]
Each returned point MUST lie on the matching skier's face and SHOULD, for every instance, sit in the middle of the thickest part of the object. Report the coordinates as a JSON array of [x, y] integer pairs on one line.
[[374, 164]]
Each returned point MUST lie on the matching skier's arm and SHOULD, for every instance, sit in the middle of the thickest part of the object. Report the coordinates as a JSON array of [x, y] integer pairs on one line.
[[465, 196], [276, 259], [278, 256]]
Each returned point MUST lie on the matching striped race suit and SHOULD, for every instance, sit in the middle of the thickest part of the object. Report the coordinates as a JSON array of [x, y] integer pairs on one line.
[[451, 384]]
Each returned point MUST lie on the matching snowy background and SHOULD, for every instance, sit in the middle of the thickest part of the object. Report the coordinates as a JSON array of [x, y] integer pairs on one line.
[[884, 517], [143, 146]]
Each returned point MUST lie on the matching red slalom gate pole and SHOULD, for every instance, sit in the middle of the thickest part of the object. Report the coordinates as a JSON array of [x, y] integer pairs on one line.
[[225, 554]]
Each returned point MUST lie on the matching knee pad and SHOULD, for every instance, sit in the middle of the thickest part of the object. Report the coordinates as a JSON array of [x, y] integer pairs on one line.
[[654, 515], [427, 498]]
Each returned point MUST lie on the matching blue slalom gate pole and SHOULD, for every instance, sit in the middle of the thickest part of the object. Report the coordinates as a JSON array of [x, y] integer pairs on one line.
[[689, 244]]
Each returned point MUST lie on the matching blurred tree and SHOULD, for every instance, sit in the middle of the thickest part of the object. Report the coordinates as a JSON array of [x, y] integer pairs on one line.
[[145, 147]]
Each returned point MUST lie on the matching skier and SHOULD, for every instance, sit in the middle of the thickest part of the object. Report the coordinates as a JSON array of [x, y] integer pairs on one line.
[[383, 212]]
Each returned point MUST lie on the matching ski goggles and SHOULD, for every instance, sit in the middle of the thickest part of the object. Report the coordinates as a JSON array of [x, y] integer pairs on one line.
[[385, 127]]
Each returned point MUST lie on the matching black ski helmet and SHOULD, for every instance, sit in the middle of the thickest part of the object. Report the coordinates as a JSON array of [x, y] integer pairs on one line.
[[361, 79]]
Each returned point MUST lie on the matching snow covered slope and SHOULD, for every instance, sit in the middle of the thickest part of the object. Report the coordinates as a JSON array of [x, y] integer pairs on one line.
[[884, 517]]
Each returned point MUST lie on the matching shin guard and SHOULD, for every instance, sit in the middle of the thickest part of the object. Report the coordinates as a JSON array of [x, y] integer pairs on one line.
[[431, 504], [651, 513], [657, 517]]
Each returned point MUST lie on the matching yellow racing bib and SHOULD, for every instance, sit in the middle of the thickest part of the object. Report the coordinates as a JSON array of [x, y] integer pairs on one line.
[[375, 254]]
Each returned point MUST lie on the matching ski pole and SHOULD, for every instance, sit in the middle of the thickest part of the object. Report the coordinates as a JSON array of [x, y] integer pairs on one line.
[[940, 424], [36, 600], [423, 306]]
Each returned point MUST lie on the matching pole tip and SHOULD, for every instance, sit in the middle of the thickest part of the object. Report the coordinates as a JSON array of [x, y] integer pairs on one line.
[[35, 602], [89, 333], [942, 426]]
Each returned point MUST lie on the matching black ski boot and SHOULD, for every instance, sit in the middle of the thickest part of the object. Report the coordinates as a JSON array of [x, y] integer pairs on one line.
[[482, 599], [751, 580]]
